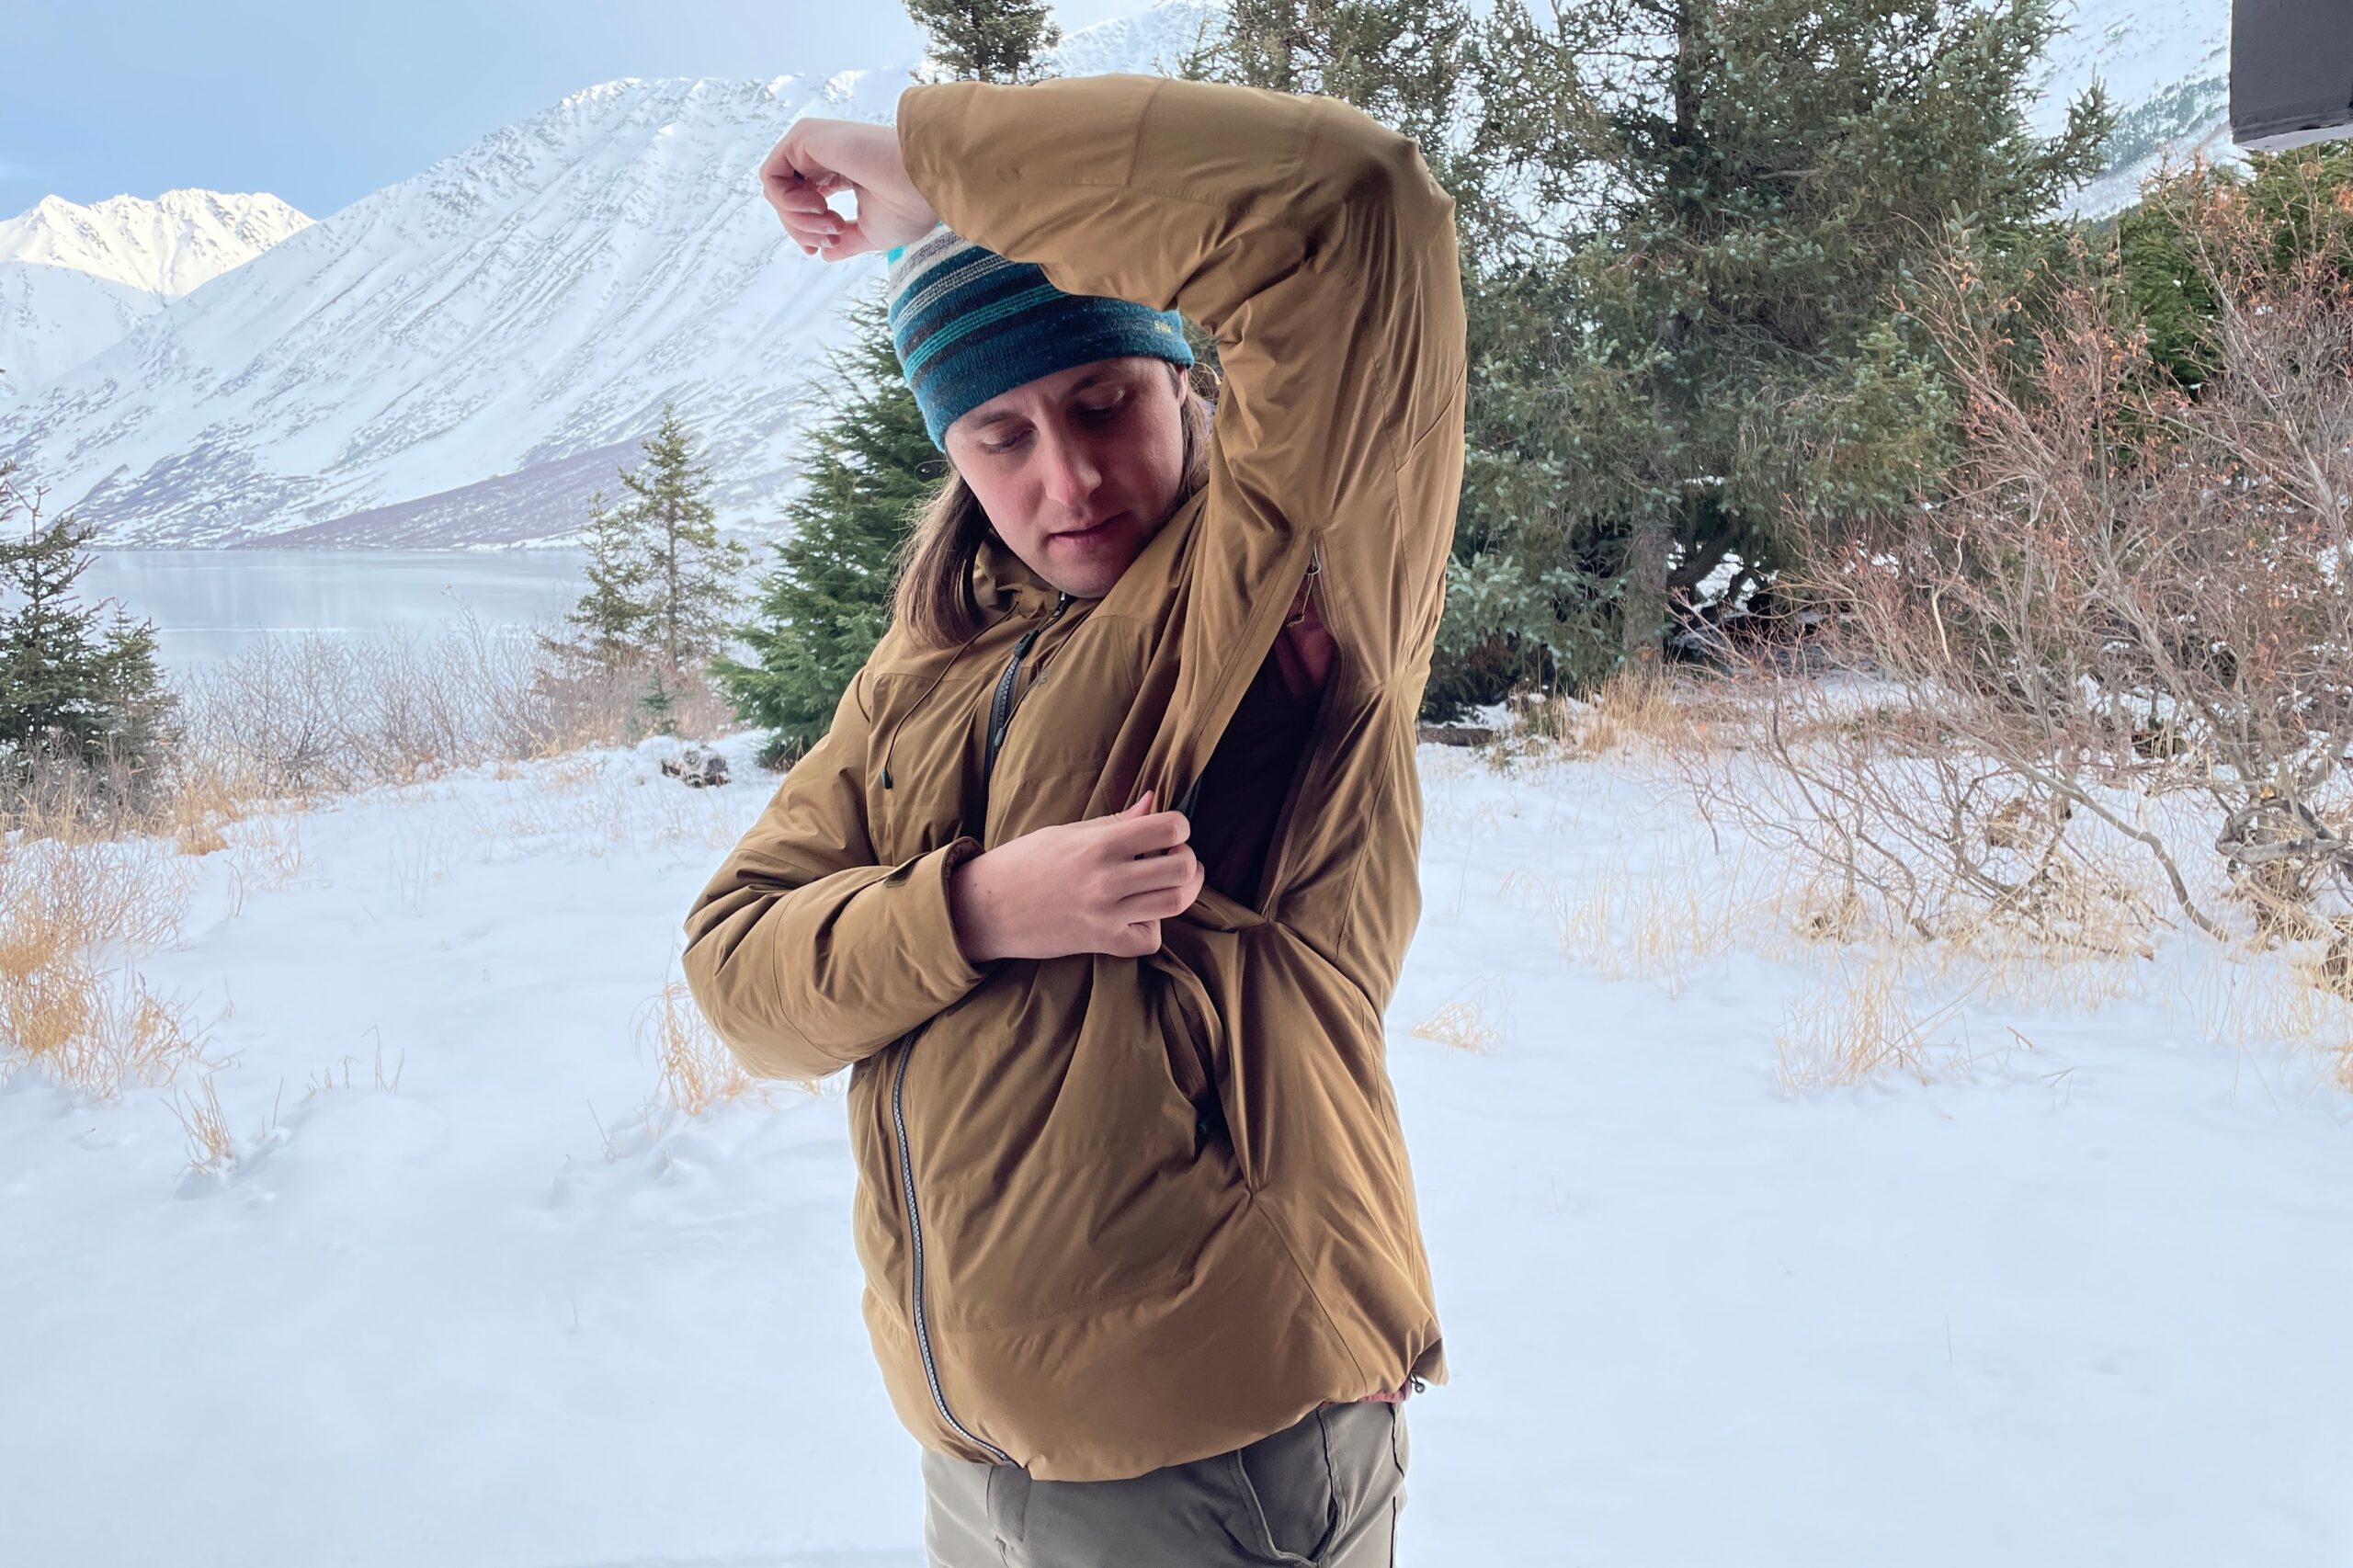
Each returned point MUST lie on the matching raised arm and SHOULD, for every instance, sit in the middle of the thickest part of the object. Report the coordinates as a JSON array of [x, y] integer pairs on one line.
[[805, 955], [1312, 242]]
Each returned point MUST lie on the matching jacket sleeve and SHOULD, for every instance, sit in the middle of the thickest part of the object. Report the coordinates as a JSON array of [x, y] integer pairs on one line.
[[1313, 244], [804, 954]]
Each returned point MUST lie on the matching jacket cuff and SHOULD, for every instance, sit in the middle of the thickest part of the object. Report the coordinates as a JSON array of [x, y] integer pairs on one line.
[[928, 924], [930, 123]]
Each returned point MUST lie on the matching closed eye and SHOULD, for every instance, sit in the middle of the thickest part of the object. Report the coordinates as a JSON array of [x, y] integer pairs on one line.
[[1098, 413]]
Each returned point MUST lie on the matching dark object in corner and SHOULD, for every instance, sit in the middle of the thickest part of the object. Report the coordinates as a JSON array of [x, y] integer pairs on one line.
[[2291, 72]]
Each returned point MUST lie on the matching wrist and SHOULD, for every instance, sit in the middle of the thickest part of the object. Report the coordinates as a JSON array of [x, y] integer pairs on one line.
[[965, 906]]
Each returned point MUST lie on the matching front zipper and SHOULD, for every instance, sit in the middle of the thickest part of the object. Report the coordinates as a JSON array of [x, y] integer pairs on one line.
[[1001, 709], [1000, 716], [915, 1235]]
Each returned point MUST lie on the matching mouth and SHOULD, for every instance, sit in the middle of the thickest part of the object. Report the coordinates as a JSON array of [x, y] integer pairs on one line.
[[1096, 531]]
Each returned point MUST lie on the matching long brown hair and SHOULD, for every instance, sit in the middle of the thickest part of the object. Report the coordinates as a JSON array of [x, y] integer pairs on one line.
[[932, 589]]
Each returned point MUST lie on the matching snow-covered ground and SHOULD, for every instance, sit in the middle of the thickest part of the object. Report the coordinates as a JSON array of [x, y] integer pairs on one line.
[[2080, 1297]]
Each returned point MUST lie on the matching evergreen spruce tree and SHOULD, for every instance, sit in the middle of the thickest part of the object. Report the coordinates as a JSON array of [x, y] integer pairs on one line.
[[868, 467], [987, 40], [2303, 197], [689, 573], [75, 685], [662, 583], [1703, 338], [1402, 61], [611, 623]]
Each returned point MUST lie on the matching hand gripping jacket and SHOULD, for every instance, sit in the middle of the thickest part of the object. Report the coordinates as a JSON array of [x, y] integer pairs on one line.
[[1120, 1213]]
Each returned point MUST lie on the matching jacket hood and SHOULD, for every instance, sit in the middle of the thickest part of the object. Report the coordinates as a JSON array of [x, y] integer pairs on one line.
[[1002, 578]]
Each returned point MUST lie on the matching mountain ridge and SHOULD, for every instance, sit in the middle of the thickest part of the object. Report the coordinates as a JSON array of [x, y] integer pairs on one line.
[[453, 359], [75, 278]]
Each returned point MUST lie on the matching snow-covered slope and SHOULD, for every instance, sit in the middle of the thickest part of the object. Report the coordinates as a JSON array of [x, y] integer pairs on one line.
[[2166, 64], [1155, 40], [2077, 1301], [174, 243], [75, 278], [441, 355], [462, 357]]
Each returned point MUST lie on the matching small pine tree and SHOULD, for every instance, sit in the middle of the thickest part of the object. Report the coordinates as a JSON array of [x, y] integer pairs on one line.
[[691, 574], [662, 583], [611, 623], [660, 705], [826, 600], [71, 689], [987, 40]]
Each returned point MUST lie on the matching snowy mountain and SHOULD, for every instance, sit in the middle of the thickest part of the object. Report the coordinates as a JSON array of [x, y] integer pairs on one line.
[[463, 357], [2166, 64], [75, 279]]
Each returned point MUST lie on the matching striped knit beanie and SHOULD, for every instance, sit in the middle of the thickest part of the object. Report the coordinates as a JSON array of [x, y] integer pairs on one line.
[[968, 324]]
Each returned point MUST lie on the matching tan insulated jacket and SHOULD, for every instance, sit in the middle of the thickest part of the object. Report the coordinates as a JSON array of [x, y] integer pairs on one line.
[[1117, 1213]]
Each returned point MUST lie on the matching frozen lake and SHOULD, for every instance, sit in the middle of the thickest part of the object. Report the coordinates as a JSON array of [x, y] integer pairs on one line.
[[209, 605]]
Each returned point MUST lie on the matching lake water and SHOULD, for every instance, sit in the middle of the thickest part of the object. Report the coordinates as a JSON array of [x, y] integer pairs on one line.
[[209, 605]]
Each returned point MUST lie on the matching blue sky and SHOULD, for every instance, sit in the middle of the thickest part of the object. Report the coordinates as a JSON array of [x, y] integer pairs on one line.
[[322, 104]]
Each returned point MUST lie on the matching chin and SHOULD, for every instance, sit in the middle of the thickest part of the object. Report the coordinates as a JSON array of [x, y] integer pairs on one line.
[[1093, 586]]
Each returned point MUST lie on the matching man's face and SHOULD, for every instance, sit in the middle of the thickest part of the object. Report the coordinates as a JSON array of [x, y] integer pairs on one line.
[[1078, 470]]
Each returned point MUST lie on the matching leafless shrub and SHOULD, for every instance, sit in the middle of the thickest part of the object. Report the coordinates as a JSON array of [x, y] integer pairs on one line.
[[306, 716], [2127, 594], [1889, 823]]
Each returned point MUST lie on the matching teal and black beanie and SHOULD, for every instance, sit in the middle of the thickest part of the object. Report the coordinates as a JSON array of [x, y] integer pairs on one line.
[[969, 325]]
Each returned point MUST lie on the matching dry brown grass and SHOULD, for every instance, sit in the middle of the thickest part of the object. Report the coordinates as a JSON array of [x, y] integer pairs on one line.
[[1462, 1024], [88, 1025], [1638, 710], [381, 1084], [1867, 1012], [697, 1069], [212, 1147], [1649, 922]]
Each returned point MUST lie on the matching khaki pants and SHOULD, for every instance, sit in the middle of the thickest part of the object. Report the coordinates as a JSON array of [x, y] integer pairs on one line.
[[1326, 1493]]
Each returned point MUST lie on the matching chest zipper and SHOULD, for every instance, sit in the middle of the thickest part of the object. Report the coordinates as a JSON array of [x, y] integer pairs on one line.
[[1000, 717], [1001, 707]]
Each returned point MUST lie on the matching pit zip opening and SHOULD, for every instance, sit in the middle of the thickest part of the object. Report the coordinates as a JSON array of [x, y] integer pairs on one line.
[[1279, 860], [1000, 717]]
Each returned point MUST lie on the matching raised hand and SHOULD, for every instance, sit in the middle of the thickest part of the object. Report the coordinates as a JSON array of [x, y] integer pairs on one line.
[[817, 157]]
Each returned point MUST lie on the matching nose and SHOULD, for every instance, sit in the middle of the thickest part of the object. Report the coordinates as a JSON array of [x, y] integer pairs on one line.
[[1073, 474]]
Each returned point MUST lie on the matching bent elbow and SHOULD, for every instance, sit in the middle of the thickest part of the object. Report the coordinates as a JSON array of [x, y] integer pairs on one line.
[[748, 1018], [1374, 164]]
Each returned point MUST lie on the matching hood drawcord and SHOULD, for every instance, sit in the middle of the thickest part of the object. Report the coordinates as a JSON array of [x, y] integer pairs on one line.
[[949, 663], [944, 667]]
